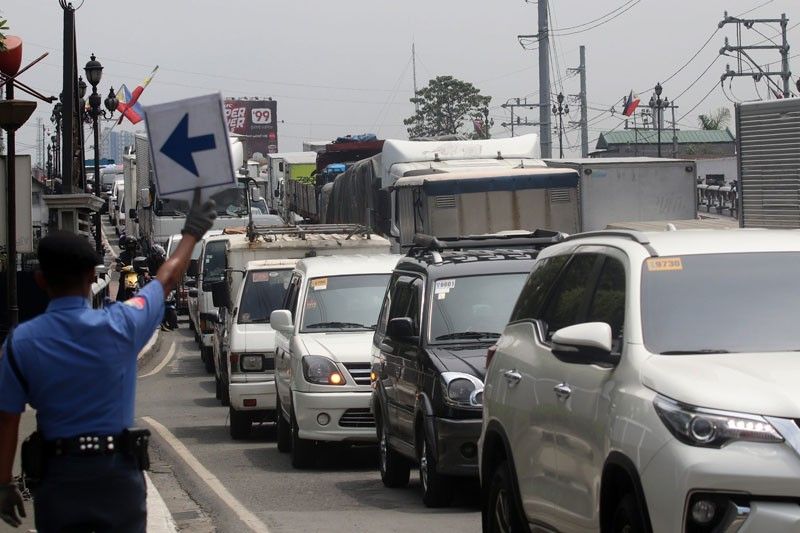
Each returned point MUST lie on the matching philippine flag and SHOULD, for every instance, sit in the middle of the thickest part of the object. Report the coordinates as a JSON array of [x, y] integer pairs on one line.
[[630, 104], [129, 105]]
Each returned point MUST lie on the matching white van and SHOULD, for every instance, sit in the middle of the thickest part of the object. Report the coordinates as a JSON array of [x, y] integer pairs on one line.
[[324, 340]]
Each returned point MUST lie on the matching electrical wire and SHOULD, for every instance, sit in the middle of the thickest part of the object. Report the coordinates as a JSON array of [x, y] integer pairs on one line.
[[693, 57], [630, 6], [588, 22], [716, 58], [700, 102]]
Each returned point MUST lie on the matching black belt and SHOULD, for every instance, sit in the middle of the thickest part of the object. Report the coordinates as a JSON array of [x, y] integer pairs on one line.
[[88, 445]]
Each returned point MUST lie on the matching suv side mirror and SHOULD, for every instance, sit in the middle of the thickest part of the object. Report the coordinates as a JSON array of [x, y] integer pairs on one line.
[[193, 268], [281, 320], [589, 343], [220, 295], [401, 329]]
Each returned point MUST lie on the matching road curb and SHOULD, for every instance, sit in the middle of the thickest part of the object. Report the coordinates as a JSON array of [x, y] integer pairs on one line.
[[159, 519]]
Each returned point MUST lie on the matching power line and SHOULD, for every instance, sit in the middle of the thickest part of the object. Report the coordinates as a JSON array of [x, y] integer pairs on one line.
[[631, 6], [701, 101], [593, 20]]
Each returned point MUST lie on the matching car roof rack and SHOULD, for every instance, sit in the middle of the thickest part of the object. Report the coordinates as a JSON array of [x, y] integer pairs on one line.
[[302, 230], [636, 236], [537, 239]]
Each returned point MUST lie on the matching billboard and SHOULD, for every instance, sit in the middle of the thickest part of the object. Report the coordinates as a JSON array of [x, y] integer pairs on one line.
[[255, 122]]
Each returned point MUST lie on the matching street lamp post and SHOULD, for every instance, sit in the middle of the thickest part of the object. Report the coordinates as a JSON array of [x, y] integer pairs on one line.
[[658, 105], [560, 110], [94, 72]]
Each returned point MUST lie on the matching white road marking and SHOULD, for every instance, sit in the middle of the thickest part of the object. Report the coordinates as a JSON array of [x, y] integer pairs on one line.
[[163, 363], [210, 479]]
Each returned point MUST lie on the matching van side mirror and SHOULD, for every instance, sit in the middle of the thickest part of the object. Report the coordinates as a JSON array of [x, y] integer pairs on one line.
[[220, 294], [281, 320], [193, 268], [401, 329], [211, 316], [586, 344]]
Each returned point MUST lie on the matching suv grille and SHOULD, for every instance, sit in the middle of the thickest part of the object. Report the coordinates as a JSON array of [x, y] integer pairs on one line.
[[360, 372], [357, 418]]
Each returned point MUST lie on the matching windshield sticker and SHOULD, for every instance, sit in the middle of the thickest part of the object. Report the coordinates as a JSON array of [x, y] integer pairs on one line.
[[311, 305], [319, 284], [259, 277], [664, 264], [443, 286], [245, 317]]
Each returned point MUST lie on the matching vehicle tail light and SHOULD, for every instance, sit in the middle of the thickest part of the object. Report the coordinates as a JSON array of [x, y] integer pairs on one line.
[[490, 354], [234, 359], [249, 402]]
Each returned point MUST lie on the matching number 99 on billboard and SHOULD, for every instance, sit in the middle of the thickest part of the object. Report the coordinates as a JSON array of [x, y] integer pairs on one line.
[[261, 115]]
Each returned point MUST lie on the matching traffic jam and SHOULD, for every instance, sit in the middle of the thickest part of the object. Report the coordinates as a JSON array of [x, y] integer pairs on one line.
[[547, 369]]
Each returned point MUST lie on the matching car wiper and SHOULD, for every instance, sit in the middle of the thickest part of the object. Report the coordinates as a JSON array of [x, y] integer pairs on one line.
[[342, 325], [469, 335], [700, 351]]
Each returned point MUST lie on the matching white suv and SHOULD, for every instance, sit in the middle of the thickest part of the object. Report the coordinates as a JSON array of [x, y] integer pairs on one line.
[[649, 382], [323, 352]]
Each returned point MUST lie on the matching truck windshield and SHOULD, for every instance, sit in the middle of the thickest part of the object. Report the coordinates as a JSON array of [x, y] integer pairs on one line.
[[721, 303], [230, 202], [473, 308], [263, 293], [343, 302]]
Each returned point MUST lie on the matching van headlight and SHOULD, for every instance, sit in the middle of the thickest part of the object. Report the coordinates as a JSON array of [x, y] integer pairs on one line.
[[321, 371], [251, 362], [711, 428], [462, 390]]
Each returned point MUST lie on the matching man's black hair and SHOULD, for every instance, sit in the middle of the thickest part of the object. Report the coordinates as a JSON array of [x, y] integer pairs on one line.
[[65, 258]]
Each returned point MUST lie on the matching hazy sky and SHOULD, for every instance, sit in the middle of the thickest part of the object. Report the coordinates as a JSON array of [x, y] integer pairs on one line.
[[345, 67]]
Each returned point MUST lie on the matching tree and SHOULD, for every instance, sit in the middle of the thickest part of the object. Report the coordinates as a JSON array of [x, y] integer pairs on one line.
[[3, 27], [444, 105], [717, 120]]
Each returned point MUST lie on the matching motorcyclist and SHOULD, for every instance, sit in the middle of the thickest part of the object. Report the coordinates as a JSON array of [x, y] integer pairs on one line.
[[130, 248]]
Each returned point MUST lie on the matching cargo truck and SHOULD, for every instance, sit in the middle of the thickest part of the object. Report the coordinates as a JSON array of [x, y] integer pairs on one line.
[[768, 154]]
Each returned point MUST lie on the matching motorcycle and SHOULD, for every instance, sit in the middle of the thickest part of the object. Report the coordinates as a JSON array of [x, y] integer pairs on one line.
[[170, 312]]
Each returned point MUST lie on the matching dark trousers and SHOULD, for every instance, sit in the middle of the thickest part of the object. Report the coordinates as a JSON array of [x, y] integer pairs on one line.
[[91, 494]]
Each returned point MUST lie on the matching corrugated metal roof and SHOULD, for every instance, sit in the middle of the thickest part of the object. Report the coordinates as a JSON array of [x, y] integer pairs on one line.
[[651, 137]]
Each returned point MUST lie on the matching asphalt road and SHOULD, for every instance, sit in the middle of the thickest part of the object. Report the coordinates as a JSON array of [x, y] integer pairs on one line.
[[212, 483]]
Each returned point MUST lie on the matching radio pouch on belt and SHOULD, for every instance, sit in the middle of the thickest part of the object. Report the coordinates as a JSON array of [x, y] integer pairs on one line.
[[32, 449]]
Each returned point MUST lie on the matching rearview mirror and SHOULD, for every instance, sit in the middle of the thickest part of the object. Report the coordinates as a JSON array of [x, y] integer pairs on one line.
[[401, 329], [220, 294], [281, 320], [589, 343], [193, 268]]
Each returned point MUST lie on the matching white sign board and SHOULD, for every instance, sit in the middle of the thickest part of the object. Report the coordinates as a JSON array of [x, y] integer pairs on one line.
[[23, 203], [189, 146]]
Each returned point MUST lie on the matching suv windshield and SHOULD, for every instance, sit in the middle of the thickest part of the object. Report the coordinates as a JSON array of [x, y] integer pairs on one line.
[[474, 308], [720, 303], [343, 302], [230, 202], [263, 293]]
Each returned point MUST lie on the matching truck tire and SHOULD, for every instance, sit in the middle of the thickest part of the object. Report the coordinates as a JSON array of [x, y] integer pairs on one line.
[[394, 468], [437, 490], [217, 388], [302, 449], [241, 424], [191, 327], [225, 393], [283, 429]]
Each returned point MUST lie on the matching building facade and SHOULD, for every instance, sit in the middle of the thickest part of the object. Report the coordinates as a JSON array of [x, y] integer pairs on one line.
[[686, 144], [114, 142]]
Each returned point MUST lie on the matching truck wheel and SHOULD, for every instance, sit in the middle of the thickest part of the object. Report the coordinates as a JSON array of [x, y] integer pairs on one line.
[[302, 449], [437, 489], [192, 328], [225, 393], [394, 468], [207, 355], [284, 430], [500, 513], [217, 388], [241, 424]]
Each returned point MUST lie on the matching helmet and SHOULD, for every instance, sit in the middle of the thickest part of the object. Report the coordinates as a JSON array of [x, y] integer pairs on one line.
[[131, 242]]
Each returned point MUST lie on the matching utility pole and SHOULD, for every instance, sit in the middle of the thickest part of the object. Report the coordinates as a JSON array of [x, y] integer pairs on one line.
[[414, 70], [512, 104], [545, 129], [742, 52], [70, 100], [584, 123]]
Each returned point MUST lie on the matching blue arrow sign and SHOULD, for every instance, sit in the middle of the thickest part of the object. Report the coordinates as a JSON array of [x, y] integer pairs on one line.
[[181, 148]]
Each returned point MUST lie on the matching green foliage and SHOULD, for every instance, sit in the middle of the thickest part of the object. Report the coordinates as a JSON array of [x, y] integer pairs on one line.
[[444, 105], [308, 180], [716, 120], [3, 27]]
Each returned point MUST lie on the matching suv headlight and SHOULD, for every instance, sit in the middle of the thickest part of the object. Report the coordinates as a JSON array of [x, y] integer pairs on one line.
[[462, 390], [321, 371], [711, 428]]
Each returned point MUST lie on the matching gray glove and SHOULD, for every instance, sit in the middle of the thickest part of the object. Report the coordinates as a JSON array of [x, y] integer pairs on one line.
[[12, 510], [200, 218]]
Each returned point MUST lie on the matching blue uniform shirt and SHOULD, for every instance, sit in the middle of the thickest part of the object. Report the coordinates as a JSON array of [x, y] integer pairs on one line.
[[80, 364]]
